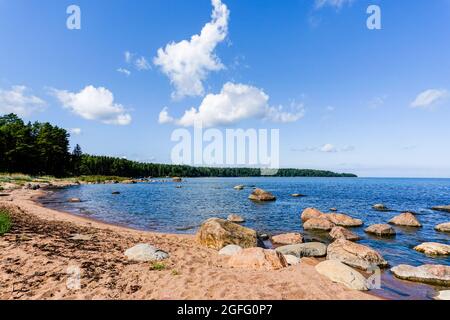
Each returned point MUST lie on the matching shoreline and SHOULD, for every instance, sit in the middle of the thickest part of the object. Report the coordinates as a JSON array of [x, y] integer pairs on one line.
[[38, 250]]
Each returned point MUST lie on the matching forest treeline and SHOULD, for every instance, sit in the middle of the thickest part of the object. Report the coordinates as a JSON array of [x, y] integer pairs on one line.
[[43, 149]]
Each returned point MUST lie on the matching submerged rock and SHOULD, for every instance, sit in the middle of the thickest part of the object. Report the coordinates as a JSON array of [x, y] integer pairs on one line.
[[342, 233], [239, 187], [310, 249], [355, 255], [235, 218], [431, 274], [443, 227], [115, 192], [333, 209], [310, 213], [261, 195], [217, 233], [230, 250], [144, 253], [406, 219], [288, 238], [442, 208], [74, 200], [380, 207], [433, 249], [343, 220], [338, 272], [318, 224], [381, 230], [258, 259], [297, 195]]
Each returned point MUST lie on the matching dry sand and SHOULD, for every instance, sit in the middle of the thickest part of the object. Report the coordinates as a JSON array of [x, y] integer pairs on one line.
[[36, 254]]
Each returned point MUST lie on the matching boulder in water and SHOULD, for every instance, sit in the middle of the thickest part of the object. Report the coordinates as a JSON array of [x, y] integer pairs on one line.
[[343, 220], [431, 274], [434, 249], [380, 207], [355, 255], [261, 195], [381, 230], [310, 213], [318, 224], [235, 218], [443, 227], [342, 233], [406, 219], [441, 208]]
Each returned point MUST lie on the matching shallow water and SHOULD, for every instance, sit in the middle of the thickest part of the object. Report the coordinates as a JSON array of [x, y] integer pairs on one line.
[[162, 207]]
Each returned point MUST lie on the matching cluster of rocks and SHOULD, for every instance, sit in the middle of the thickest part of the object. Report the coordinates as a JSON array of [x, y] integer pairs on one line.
[[245, 251]]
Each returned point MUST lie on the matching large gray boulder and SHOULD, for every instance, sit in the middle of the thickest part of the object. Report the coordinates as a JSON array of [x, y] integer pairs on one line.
[[431, 274], [338, 272], [310, 249], [144, 253], [355, 255]]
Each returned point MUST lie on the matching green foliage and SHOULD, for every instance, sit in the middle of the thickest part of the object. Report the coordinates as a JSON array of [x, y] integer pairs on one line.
[[43, 149], [157, 266], [37, 148], [100, 179], [5, 222]]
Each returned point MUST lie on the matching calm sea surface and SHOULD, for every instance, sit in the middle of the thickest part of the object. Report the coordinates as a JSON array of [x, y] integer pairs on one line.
[[162, 207]]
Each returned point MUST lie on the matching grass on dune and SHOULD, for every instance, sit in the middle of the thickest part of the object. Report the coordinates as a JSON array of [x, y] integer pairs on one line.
[[5, 222]]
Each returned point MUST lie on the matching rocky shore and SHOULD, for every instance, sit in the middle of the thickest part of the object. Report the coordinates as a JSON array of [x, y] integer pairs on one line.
[[46, 252]]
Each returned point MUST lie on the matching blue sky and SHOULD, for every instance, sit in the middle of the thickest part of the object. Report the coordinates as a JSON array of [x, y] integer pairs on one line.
[[372, 102]]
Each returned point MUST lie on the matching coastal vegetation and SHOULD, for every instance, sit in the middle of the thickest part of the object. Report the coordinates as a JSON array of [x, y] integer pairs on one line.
[[40, 149], [5, 222]]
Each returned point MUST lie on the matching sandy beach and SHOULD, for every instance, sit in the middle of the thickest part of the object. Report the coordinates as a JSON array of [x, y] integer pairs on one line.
[[39, 252]]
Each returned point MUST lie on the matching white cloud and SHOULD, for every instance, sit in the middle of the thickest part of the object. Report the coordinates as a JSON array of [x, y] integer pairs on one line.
[[332, 3], [75, 131], [187, 63], [124, 71], [429, 98], [17, 101], [128, 56], [93, 103], [142, 64], [235, 102], [328, 148], [164, 116], [377, 102]]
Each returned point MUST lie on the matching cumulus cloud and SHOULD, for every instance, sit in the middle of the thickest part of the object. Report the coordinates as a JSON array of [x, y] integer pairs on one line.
[[124, 71], [75, 131], [16, 100], [93, 103], [332, 3], [235, 102], [187, 63], [164, 116], [430, 98]]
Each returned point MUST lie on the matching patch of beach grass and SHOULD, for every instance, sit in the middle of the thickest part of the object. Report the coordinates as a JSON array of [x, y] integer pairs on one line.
[[175, 272], [5, 222], [158, 266]]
